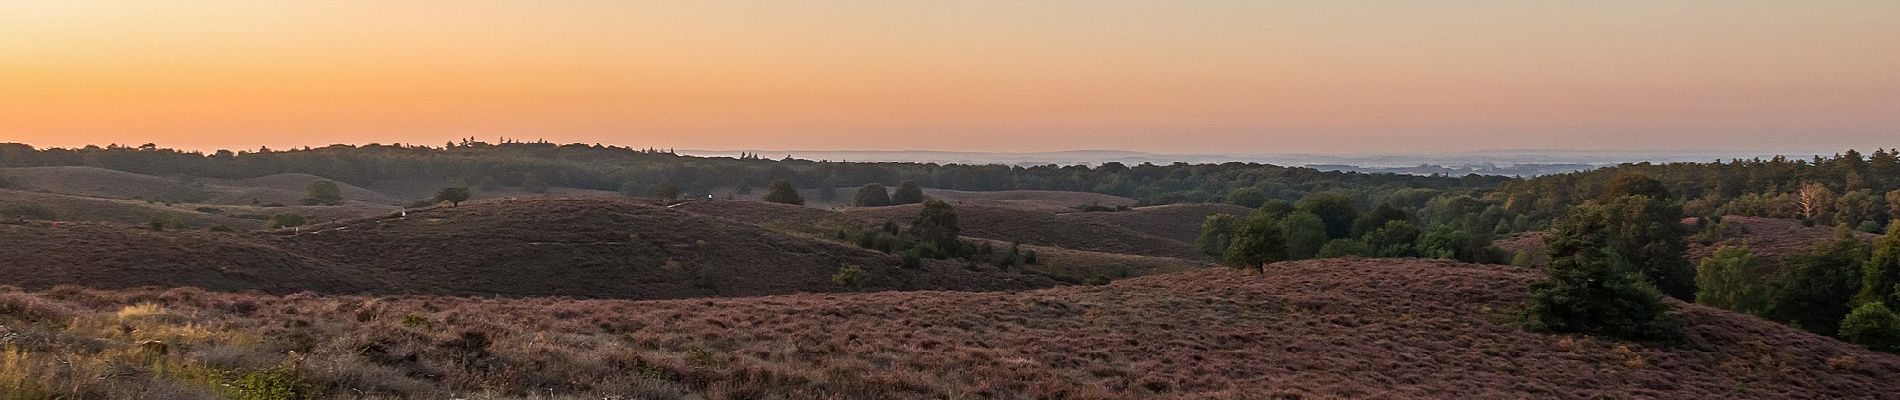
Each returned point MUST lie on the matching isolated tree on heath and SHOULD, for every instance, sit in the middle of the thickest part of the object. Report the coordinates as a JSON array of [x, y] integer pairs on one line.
[[908, 193], [454, 195], [782, 192], [1257, 241], [323, 192], [871, 195]]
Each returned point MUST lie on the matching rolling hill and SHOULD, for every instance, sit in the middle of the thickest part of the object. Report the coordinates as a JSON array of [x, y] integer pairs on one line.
[[1340, 328], [586, 247]]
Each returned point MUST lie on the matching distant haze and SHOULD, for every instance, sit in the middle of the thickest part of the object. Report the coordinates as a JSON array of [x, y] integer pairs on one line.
[[1173, 77]]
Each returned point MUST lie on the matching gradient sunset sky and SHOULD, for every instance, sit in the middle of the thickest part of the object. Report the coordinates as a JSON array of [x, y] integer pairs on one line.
[[1158, 76]]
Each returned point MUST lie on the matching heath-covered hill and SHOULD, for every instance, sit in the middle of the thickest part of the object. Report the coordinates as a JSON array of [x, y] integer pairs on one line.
[[590, 247], [1340, 328]]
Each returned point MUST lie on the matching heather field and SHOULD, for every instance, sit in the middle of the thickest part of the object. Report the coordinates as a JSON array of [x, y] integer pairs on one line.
[[1341, 328]]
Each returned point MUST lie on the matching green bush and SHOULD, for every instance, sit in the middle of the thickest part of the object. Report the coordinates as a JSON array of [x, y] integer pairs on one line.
[[1874, 326], [1599, 295], [1257, 241], [1733, 279], [781, 191]]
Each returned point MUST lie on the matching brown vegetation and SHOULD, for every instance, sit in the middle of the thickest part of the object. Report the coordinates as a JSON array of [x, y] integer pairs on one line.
[[1045, 229], [1179, 222]]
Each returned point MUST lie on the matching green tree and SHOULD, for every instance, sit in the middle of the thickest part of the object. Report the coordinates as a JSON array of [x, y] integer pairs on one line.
[[1275, 208], [1395, 239], [908, 193], [1257, 241], [667, 192], [323, 192], [1305, 235], [1446, 242], [936, 224], [1334, 208], [1880, 276], [1596, 292], [1818, 285], [1377, 218], [1874, 326], [1217, 231], [781, 191], [1647, 233], [871, 195], [1733, 279], [454, 195], [1250, 197]]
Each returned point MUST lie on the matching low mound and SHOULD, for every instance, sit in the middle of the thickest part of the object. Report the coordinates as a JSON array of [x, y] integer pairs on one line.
[[1180, 222], [1045, 229], [104, 183], [1051, 201], [1342, 328]]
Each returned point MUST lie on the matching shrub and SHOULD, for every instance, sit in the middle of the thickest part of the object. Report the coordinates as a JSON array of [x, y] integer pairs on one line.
[[1249, 197], [848, 277], [871, 195], [1874, 326], [781, 191], [908, 193]]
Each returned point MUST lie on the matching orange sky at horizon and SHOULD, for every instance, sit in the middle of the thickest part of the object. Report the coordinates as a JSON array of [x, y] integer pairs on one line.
[[1183, 77]]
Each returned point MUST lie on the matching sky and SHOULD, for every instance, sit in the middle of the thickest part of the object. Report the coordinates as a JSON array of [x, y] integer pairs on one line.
[[1009, 76]]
